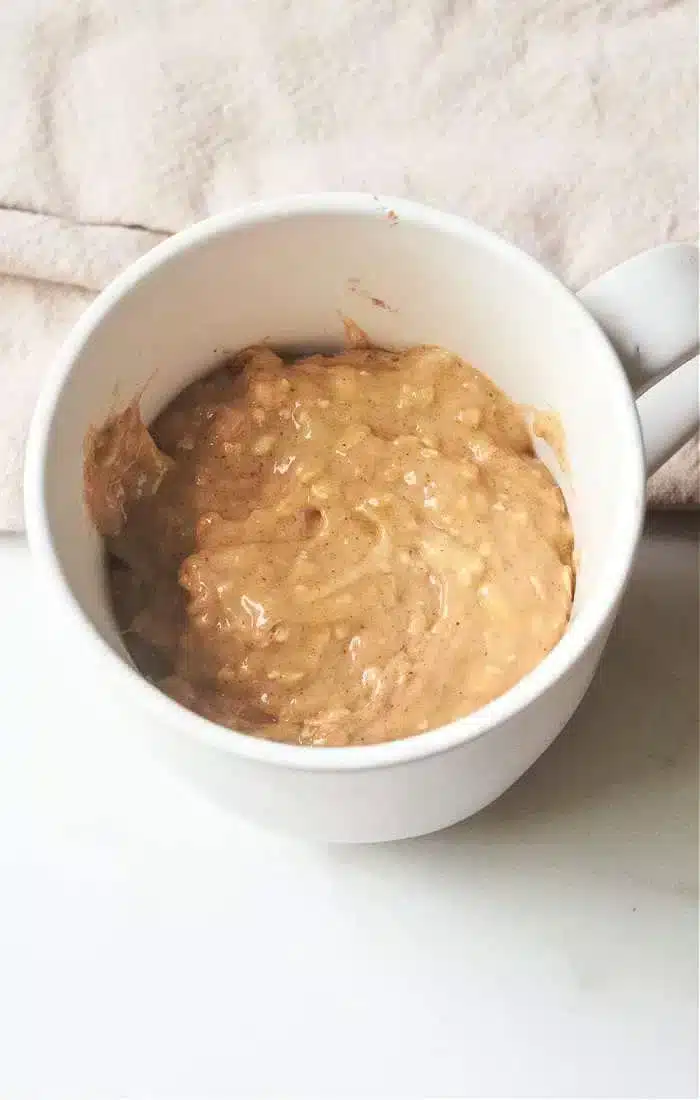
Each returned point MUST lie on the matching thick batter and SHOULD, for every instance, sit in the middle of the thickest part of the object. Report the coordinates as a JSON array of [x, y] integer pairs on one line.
[[340, 551]]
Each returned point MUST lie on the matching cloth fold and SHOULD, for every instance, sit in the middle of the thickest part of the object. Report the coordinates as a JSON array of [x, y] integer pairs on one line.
[[567, 125]]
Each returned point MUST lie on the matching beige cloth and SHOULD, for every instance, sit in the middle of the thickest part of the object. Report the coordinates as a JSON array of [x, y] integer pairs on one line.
[[567, 125]]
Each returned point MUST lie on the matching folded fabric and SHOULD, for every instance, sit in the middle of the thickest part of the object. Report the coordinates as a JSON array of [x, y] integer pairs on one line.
[[570, 127]]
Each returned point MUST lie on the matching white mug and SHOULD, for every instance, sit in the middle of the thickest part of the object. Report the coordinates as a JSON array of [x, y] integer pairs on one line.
[[286, 272]]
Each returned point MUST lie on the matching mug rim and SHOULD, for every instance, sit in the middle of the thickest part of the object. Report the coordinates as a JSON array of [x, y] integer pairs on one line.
[[579, 633]]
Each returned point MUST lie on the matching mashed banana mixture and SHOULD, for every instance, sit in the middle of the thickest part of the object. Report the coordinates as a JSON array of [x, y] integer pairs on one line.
[[339, 551]]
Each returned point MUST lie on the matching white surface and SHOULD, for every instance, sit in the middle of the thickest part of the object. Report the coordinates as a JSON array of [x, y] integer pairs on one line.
[[151, 946]]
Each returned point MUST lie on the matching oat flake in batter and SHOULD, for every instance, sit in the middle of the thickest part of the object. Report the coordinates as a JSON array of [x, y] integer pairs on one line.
[[339, 551]]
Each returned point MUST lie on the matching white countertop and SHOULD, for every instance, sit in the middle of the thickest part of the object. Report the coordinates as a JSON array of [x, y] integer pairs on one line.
[[152, 947]]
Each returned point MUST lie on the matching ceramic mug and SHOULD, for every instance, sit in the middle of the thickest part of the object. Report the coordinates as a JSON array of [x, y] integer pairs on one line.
[[286, 272]]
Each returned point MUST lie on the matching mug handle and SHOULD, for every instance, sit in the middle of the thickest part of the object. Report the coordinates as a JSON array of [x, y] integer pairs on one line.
[[648, 309]]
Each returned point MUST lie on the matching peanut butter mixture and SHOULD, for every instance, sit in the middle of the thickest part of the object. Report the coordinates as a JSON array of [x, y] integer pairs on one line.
[[338, 551]]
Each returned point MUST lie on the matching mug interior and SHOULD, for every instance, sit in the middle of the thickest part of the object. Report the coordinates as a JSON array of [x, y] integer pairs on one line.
[[286, 274]]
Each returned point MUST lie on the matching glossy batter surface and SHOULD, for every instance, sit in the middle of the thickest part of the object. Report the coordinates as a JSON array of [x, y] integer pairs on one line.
[[339, 551]]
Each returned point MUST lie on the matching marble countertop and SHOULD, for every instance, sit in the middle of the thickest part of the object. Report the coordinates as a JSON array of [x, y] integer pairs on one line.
[[152, 947]]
